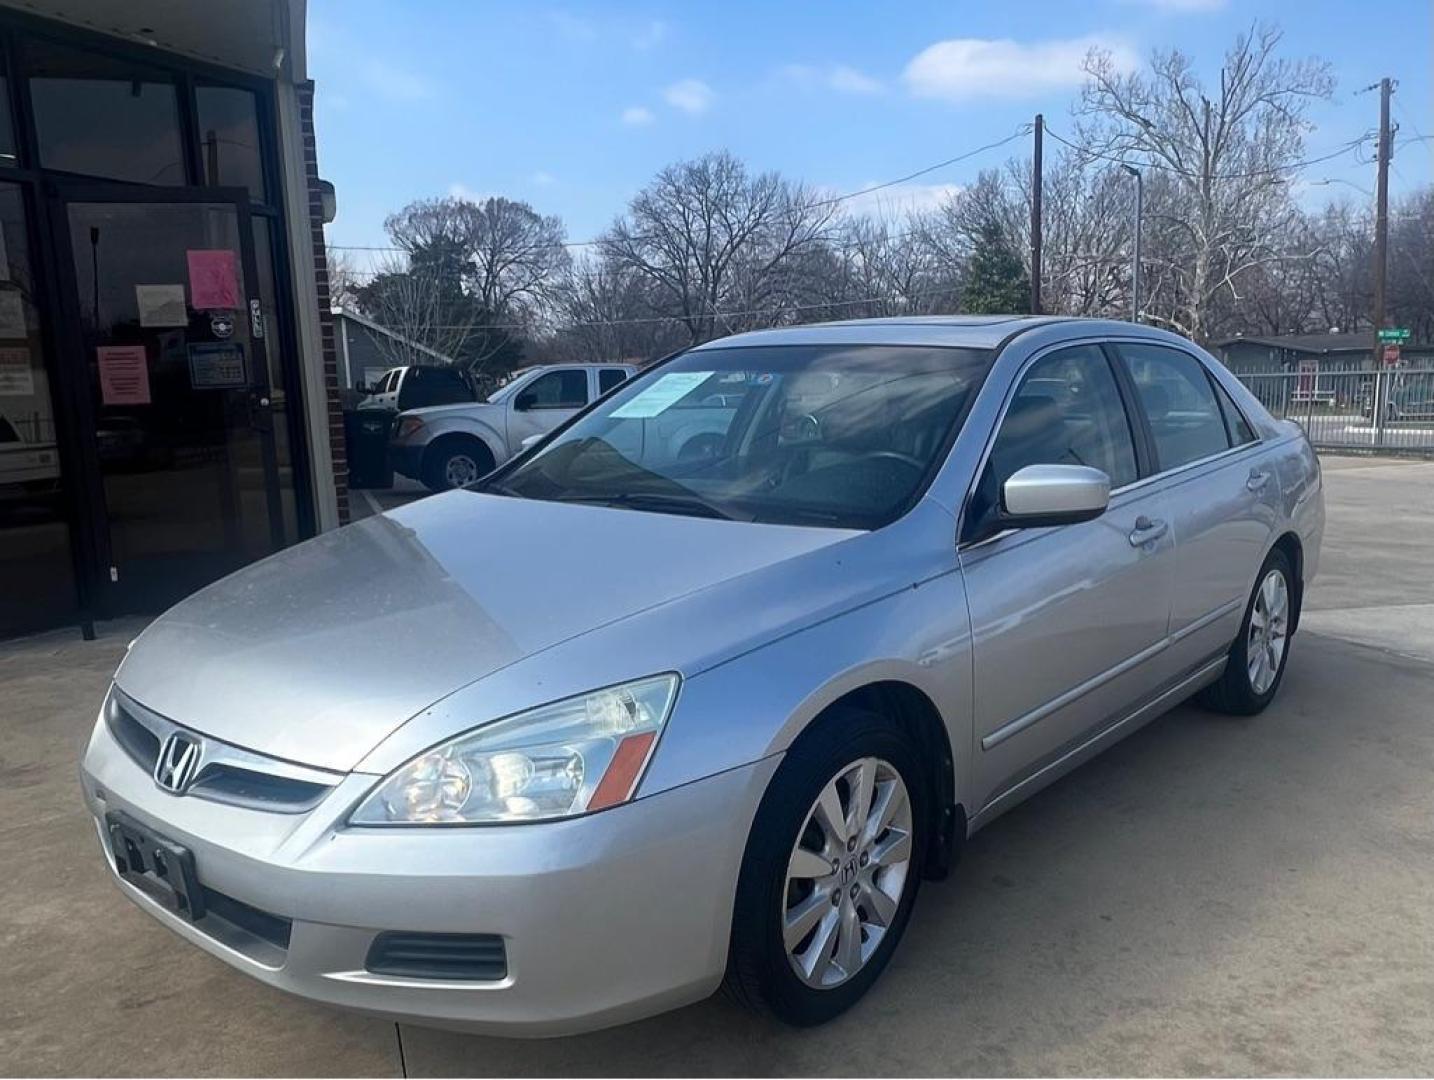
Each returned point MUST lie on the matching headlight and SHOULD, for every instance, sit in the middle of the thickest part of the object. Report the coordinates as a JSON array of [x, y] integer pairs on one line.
[[567, 758], [405, 426]]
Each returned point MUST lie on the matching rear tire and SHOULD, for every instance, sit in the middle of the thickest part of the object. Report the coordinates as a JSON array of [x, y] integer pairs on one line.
[[1257, 659], [455, 462], [845, 918]]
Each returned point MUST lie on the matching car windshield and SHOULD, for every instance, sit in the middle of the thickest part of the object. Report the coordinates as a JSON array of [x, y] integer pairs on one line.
[[835, 435]]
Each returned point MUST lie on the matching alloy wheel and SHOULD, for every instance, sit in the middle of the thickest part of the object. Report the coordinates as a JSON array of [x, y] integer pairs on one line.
[[1269, 631], [846, 872]]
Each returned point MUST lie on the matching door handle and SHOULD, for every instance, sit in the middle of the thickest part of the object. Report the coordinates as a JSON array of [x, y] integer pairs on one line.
[[1147, 531], [1257, 480]]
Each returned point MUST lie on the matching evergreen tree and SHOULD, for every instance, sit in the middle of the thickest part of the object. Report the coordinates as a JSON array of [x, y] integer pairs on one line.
[[996, 283]]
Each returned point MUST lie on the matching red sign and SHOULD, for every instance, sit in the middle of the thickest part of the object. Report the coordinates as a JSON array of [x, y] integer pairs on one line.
[[214, 280], [124, 375], [1391, 355]]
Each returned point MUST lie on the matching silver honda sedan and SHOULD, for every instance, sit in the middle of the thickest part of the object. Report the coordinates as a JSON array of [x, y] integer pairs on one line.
[[621, 724]]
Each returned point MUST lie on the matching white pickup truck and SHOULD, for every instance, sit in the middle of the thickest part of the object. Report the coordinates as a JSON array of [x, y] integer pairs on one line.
[[26, 468], [448, 446]]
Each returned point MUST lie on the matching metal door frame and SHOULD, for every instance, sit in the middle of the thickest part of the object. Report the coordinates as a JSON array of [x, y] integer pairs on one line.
[[73, 368]]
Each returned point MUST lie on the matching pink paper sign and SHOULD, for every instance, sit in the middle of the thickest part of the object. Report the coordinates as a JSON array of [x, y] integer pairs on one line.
[[124, 375], [213, 279]]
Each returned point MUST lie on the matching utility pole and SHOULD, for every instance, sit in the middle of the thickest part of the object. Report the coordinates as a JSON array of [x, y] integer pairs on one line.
[[1135, 255], [1381, 215], [1381, 256], [1036, 184]]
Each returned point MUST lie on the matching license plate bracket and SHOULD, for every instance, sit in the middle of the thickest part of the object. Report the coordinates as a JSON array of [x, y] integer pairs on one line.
[[156, 865]]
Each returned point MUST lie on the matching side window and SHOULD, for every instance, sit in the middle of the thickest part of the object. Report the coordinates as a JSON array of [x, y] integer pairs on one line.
[[1066, 411], [1179, 402], [557, 390], [432, 386], [610, 377], [1239, 427]]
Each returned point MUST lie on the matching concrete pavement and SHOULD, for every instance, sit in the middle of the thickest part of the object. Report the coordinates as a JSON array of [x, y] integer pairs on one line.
[[1211, 896]]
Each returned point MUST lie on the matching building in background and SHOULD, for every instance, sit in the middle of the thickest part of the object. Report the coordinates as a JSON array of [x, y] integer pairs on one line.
[[367, 349], [169, 403], [1328, 353]]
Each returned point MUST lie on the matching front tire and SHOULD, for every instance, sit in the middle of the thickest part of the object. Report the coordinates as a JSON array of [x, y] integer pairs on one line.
[[1257, 659], [455, 462], [831, 871]]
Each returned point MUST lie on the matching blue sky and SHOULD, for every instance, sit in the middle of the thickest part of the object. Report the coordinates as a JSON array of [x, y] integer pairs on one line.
[[572, 107]]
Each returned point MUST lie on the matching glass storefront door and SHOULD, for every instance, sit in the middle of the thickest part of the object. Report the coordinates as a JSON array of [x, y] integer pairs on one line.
[[167, 326]]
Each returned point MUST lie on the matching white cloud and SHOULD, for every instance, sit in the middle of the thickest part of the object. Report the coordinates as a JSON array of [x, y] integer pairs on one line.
[[898, 200], [544, 179], [637, 116], [690, 95], [650, 36], [837, 77], [966, 69], [394, 83]]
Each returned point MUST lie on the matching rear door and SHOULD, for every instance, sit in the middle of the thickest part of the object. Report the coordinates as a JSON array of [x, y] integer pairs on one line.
[[1221, 495], [1065, 621]]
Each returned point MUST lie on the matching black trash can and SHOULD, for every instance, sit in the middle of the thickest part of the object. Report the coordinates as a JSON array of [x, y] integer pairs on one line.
[[366, 435]]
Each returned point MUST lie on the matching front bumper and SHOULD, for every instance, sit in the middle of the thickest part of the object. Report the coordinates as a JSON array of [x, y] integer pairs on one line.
[[605, 918], [406, 459]]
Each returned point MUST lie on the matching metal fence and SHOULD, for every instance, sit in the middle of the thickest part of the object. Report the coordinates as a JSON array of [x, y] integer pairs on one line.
[[1337, 408]]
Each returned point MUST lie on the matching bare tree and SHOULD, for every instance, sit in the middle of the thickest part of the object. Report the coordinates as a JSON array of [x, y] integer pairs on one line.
[[1226, 157], [428, 314], [713, 241], [344, 279]]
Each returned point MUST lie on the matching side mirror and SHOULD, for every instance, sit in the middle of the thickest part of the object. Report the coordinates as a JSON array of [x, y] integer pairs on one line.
[[1039, 496], [531, 441], [525, 401]]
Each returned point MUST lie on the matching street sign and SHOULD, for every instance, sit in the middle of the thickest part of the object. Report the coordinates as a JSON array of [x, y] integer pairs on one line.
[[1394, 333], [1391, 355]]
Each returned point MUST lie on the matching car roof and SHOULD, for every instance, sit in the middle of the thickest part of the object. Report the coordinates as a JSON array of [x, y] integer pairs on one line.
[[966, 331]]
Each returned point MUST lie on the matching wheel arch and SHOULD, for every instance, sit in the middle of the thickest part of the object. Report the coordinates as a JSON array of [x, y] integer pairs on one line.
[[913, 711], [1293, 548], [454, 436]]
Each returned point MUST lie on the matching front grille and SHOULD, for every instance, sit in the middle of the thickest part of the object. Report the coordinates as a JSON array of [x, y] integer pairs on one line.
[[468, 957], [264, 791], [274, 929], [226, 773], [136, 740]]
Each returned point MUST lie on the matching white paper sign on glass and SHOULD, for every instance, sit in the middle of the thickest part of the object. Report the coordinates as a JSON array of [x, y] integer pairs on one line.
[[664, 392]]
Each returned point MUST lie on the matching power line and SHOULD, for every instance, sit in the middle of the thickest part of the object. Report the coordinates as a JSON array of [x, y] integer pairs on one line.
[[1345, 149], [776, 311], [1020, 132]]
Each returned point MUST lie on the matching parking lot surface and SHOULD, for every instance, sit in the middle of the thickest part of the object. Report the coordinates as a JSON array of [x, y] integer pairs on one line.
[[1211, 896]]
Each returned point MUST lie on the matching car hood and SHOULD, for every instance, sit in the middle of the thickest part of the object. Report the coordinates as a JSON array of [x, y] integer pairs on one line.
[[318, 653], [466, 407]]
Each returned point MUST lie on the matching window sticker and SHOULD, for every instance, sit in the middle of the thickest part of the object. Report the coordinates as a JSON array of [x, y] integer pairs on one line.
[[161, 305], [213, 279], [124, 375], [664, 392]]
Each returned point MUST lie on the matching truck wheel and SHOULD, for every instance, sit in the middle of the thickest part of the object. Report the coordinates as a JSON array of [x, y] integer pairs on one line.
[[455, 462]]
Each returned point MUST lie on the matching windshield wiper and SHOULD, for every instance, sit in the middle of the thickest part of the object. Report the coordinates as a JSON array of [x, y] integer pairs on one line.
[[690, 505]]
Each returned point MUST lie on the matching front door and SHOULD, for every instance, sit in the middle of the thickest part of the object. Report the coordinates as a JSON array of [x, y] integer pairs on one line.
[[545, 403], [1065, 621], [166, 334]]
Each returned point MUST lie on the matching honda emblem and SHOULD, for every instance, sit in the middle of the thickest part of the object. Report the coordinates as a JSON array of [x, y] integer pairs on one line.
[[177, 764]]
